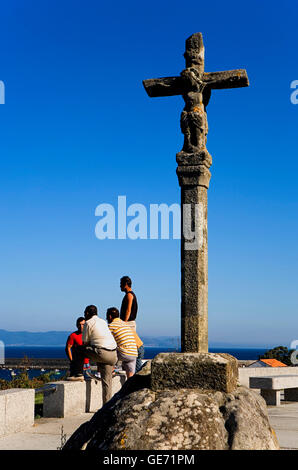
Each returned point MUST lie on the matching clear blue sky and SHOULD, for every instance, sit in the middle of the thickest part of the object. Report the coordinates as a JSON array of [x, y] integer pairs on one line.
[[78, 129]]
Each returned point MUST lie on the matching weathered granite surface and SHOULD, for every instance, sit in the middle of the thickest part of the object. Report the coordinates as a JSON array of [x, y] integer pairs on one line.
[[205, 371], [138, 418], [194, 161]]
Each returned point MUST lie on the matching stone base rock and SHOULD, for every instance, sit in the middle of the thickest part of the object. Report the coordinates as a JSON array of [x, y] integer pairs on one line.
[[138, 418], [205, 371]]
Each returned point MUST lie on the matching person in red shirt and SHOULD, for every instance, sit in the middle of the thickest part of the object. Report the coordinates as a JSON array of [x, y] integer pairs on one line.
[[73, 342]]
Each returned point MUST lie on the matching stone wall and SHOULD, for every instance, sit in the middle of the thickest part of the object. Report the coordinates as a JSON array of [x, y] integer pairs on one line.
[[16, 410]]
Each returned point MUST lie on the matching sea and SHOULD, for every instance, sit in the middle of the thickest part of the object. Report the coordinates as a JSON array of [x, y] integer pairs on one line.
[[37, 352]]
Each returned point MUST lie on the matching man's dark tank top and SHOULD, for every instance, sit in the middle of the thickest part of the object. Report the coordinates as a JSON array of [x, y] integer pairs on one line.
[[134, 307]]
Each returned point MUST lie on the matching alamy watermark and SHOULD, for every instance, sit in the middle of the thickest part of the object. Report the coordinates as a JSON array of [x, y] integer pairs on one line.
[[2, 353], [294, 354], [294, 94], [2, 92], [160, 221]]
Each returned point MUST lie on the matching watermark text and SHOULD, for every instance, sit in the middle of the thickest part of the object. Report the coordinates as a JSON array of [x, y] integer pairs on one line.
[[2, 353], [294, 94], [2, 92], [158, 222]]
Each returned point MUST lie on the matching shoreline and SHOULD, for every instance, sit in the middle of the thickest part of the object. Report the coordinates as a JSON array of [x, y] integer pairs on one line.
[[35, 363], [57, 363]]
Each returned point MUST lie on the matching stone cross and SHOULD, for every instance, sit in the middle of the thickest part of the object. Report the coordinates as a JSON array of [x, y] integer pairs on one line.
[[194, 162]]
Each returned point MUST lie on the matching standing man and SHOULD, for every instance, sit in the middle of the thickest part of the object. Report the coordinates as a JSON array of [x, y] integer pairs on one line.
[[129, 306], [73, 341], [126, 345], [100, 346]]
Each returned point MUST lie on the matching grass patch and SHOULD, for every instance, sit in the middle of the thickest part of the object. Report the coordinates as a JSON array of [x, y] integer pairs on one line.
[[39, 399], [38, 408]]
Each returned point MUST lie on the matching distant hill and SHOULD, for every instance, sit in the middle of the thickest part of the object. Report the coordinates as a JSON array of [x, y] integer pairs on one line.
[[58, 338], [161, 341], [28, 338]]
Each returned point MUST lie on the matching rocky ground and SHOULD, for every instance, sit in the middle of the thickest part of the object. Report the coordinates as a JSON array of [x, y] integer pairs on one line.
[[138, 418]]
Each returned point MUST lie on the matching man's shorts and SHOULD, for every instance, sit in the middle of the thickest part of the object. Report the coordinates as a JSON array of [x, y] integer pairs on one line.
[[128, 362]]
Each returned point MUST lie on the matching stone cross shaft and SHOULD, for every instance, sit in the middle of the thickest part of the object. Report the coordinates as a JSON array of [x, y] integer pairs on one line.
[[194, 161]]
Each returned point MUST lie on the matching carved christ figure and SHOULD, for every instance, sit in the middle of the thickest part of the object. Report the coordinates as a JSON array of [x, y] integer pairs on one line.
[[193, 121]]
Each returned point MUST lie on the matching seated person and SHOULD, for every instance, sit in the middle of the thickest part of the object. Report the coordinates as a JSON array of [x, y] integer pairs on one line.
[[127, 351], [73, 341], [99, 345]]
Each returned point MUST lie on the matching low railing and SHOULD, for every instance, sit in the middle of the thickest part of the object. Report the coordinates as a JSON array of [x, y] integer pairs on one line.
[[46, 390]]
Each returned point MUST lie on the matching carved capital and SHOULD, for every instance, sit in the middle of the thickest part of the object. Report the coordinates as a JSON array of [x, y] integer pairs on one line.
[[191, 159], [193, 175]]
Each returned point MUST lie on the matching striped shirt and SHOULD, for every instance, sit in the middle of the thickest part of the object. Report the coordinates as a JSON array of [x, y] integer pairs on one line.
[[124, 337]]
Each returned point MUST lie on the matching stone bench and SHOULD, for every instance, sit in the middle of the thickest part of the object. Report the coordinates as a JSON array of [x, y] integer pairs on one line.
[[271, 387], [16, 410], [71, 398], [244, 373]]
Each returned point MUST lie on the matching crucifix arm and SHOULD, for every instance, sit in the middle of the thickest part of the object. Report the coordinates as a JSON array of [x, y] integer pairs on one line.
[[227, 79], [167, 86], [171, 86]]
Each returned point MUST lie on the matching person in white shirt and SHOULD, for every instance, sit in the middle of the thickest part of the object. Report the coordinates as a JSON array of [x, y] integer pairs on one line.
[[99, 346]]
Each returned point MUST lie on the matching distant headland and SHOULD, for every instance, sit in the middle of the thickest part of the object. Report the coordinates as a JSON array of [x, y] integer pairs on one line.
[[58, 339]]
